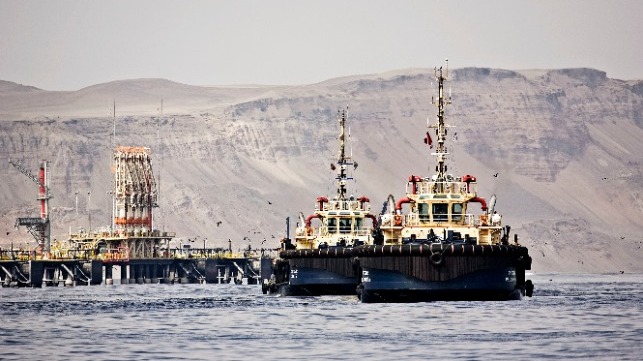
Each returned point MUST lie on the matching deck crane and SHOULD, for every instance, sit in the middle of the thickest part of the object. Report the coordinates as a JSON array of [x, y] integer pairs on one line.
[[39, 227]]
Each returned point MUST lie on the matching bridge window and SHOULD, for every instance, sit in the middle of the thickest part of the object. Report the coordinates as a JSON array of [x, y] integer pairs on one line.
[[344, 225], [456, 212], [332, 225], [358, 223], [423, 209], [440, 212]]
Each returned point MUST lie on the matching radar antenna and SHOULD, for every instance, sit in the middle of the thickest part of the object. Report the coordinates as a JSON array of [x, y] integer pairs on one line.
[[441, 128], [343, 161]]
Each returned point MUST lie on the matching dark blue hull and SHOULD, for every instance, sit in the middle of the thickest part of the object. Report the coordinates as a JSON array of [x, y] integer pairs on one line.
[[330, 271], [306, 281], [393, 286], [407, 273], [443, 272]]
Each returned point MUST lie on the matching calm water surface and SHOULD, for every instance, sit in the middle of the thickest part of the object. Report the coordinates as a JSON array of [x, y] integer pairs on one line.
[[582, 317]]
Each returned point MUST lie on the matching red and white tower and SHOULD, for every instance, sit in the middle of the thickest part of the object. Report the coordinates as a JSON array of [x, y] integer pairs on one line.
[[135, 191]]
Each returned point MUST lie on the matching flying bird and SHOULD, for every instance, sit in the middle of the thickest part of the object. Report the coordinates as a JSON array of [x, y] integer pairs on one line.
[[496, 175], [269, 202]]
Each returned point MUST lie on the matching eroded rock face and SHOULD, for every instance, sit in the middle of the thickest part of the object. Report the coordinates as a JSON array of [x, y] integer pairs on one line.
[[568, 138]]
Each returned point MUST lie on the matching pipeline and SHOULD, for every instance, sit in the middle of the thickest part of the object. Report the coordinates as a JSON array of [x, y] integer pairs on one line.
[[482, 202], [467, 178], [310, 218], [321, 201], [362, 200], [414, 180], [398, 205], [374, 219]]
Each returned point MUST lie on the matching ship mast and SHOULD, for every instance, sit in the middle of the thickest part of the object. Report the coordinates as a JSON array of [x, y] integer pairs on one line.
[[440, 128], [342, 160]]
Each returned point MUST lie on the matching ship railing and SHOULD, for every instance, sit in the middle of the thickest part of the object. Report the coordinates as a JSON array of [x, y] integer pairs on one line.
[[343, 231], [217, 252], [415, 219], [471, 220], [78, 253], [482, 220], [18, 254], [118, 254], [412, 219], [354, 205], [448, 187]]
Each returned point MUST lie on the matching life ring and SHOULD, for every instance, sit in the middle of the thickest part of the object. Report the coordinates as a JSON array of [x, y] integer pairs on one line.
[[483, 219], [436, 258], [398, 220]]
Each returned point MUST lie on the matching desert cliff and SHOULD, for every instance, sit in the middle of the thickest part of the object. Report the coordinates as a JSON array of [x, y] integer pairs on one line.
[[561, 149]]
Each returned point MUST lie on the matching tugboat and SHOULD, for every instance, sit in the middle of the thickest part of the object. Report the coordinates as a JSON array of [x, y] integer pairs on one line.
[[440, 249], [321, 260]]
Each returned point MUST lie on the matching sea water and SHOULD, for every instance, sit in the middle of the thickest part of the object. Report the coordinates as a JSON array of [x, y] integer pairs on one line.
[[598, 317]]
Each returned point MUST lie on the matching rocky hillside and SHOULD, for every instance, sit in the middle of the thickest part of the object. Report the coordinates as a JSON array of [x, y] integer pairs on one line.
[[235, 162]]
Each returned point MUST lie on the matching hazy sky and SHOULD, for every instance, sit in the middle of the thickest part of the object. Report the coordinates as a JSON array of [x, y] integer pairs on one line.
[[67, 45]]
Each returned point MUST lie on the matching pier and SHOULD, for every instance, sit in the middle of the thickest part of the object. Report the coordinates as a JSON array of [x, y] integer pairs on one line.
[[19, 268], [130, 250]]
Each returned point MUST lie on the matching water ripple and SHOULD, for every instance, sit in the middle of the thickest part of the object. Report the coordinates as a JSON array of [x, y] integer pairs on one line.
[[570, 316]]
